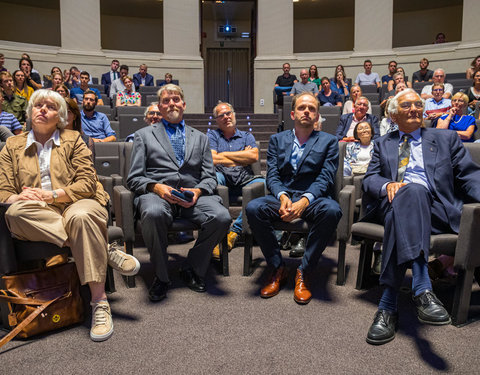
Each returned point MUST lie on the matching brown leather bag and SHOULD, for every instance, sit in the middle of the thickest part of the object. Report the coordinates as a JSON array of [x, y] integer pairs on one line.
[[41, 301]]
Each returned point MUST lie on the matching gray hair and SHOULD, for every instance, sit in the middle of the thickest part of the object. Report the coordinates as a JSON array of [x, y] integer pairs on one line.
[[170, 88], [363, 98], [222, 103], [393, 105], [439, 70], [145, 113], [59, 101]]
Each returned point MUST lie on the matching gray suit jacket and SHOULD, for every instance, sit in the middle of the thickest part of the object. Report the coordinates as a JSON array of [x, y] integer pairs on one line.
[[153, 161]]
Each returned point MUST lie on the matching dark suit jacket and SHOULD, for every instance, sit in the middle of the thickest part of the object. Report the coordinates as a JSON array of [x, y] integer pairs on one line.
[[137, 80], [346, 121], [448, 166], [316, 169], [154, 161], [106, 81]]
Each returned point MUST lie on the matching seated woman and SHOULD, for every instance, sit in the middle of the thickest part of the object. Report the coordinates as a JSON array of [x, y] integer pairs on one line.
[[474, 67], [67, 78], [57, 80], [473, 93], [387, 125], [327, 97], [358, 154], [128, 97], [313, 72], [47, 176], [47, 79], [21, 87], [339, 84], [457, 120], [63, 90], [393, 83], [349, 106]]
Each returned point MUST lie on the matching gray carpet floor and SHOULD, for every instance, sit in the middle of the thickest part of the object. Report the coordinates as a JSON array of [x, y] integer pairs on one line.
[[231, 330]]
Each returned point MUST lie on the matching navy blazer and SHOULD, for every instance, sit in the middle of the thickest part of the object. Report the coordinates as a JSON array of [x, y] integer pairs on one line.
[[448, 166], [137, 80], [316, 169], [346, 121], [106, 81]]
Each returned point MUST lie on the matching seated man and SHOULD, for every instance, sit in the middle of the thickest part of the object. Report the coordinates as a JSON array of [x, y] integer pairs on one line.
[[233, 151], [9, 124], [95, 124], [142, 78], [415, 185], [284, 83], [302, 164], [151, 116], [12, 103], [328, 97], [118, 85], [438, 77], [77, 92], [424, 74], [112, 75], [368, 78], [169, 158], [392, 69], [304, 85], [437, 105], [348, 122]]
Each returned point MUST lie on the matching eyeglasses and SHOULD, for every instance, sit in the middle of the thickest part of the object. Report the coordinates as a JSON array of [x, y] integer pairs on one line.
[[437, 90], [153, 113], [408, 105], [221, 115]]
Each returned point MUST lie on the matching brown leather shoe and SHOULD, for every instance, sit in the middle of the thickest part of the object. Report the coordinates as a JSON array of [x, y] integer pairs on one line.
[[276, 280], [301, 293]]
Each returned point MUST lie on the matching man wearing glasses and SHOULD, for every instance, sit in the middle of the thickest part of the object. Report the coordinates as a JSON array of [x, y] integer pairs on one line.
[[233, 152], [438, 77], [415, 185], [151, 116], [437, 105]]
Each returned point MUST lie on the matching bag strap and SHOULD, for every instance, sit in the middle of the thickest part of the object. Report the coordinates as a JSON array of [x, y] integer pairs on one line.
[[27, 320], [20, 300]]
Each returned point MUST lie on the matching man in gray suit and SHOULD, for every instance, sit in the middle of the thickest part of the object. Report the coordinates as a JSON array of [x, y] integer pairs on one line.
[[170, 158]]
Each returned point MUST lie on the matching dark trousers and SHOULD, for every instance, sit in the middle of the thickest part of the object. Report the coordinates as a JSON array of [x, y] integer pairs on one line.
[[156, 215], [323, 215]]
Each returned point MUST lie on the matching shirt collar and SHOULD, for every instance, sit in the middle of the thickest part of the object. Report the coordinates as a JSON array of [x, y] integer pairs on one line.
[[93, 116], [55, 137], [181, 124], [416, 134], [235, 135]]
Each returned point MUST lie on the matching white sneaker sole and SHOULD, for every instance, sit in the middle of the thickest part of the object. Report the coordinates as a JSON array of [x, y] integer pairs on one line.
[[132, 272], [98, 338]]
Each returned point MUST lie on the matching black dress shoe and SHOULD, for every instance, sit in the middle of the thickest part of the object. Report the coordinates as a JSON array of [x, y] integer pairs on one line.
[[193, 281], [430, 310], [383, 328], [158, 290], [299, 249]]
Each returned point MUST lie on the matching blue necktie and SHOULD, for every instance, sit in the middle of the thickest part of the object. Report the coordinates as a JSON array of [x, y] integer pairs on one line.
[[178, 144]]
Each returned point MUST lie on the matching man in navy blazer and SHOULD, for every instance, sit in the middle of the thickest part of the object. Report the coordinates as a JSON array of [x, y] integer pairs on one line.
[[347, 122], [170, 156], [438, 177], [112, 75], [301, 168], [142, 78]]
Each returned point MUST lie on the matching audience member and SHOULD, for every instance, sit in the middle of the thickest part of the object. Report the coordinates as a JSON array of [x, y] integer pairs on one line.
[[474, 93], [304, 85], [26, 56], [359, 153], [440, 38], [77, 92], [328, 97], [437, 105], [9, 124], [456, 119], [63, 91], [60, 200], [151, 116], [21, 87], [31, 78], [2, 63], [168, 79], [339, 84], [128, 97], [74, 77], [474, 67], [108, 77], [118, 85], [12, 103], [47, 79], [301, 183], [168, 158], [392, 69], [438, 77], [57, 80], [284, 83], [400, 86], [423, 195], [233, 151], [368, 78], [142, 78], [424, 74], [393, 83], [347, 122], [355, 93], [95, 124], [387, 125], [74, 122], [67, 78], [313, 75]]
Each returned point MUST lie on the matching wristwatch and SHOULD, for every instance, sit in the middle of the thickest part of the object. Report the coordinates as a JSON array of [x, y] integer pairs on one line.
[[54, 195]]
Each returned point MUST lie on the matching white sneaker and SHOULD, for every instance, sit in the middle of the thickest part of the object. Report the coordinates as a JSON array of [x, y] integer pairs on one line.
[[102, 323], [124, 263]]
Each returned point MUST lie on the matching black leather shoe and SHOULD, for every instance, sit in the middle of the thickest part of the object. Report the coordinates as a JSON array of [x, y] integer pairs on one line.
[[158, 290], [383, 328], [299, 249], [193, 281], [430, 310]]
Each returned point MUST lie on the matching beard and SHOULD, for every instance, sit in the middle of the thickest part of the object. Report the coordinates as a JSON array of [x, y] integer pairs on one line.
[[88, 107], [173, 116]]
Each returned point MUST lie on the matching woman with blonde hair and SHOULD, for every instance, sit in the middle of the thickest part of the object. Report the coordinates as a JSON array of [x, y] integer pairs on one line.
[[457, 120], [349, 106]]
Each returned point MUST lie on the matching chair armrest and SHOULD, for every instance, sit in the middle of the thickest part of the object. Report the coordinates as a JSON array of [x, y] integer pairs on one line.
[[117, 179], [223, 192], [467, 256], [347, 180], [249, 193], [107, 183], [357, 182], [346, 199], [124, 215]]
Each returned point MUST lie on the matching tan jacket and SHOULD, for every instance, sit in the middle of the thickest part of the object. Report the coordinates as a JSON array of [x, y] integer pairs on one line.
[[71, 168]]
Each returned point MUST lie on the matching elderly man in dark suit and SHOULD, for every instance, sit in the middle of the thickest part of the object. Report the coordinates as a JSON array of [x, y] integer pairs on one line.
[[170, 157], [349, 121], [416, 184], [301, 168]]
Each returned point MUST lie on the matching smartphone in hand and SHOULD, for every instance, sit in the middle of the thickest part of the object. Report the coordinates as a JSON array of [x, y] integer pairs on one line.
[[185, 196]]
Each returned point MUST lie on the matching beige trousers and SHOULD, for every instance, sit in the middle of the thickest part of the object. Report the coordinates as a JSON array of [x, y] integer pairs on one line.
[[83, 223]]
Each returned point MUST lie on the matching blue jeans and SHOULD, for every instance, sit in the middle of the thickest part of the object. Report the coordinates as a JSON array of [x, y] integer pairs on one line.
[[235, 192]]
